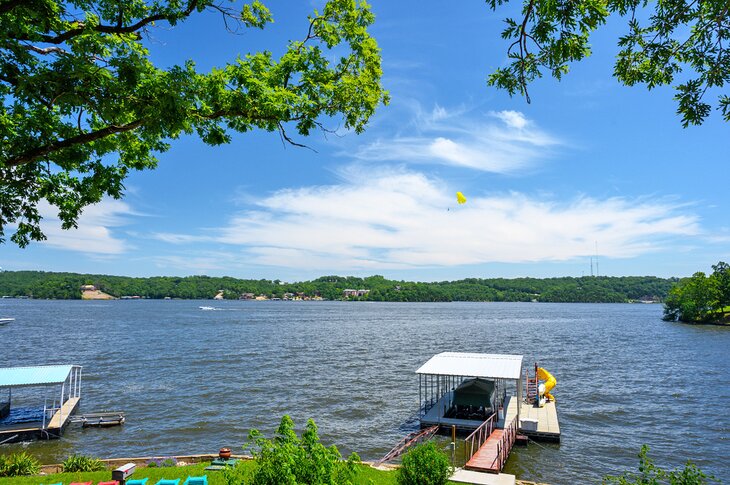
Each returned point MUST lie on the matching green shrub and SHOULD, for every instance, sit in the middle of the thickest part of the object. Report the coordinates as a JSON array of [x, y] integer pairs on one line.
[[81, 463], [287, 459], [650, 474], [18, 464], [425, 464], [162, 462]]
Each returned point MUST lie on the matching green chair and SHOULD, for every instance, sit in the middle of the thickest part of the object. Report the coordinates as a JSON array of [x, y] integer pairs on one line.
[[196, 480]]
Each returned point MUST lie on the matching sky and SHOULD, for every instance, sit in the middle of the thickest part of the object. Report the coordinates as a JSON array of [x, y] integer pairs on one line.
[[591, 177]]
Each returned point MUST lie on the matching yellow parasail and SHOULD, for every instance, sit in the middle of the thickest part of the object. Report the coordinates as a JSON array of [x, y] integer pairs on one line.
[[460, 198]]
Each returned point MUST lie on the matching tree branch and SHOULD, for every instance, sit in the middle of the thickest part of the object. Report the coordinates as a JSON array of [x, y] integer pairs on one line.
[[523, 49], [44, 51], [36, 153], [285, 138], [114, 29]]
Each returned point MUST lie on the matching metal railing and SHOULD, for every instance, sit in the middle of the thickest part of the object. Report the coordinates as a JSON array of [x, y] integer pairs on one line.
[[478, 437], [407, 442], [504, 445], [48, 413]]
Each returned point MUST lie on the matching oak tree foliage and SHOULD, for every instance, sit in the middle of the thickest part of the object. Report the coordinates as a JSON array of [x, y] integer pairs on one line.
[[681, 43], [701, 298], [83, 104]]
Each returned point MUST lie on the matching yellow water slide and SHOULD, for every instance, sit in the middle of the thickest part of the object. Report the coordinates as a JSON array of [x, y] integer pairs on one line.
[[550, 382]]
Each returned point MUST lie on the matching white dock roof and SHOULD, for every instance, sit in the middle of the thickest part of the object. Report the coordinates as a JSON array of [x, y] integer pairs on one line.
[[495, 366], [34, 376]]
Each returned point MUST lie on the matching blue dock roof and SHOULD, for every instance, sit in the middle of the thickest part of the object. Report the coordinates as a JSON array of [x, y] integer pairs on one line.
[[34, 376]]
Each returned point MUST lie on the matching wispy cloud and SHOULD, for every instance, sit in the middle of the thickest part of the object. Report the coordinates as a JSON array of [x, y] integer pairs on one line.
[[397, 218], [199, 262], [95, 232], [500, 142]]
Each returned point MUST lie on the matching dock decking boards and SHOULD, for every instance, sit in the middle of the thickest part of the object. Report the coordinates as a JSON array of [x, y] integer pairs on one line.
[[548, 427], [66, 410], [485, 459]]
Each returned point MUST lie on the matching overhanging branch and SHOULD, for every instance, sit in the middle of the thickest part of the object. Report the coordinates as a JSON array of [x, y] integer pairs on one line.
[[39, 152], [114, 29]]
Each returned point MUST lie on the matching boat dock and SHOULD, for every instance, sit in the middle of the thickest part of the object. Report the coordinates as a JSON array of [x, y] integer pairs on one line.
[[63, 382], [488, 396], [540, 423]]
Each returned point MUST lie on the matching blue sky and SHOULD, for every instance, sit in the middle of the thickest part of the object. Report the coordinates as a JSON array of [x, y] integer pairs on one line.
[[590, 167]]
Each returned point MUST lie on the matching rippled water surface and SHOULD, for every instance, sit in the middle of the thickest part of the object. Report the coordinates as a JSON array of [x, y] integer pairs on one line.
[[191, 381]]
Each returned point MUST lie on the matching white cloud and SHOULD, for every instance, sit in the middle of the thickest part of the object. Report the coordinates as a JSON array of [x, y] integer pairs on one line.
[[503, 142], [390, 219], [178, 238], [94, 234], [513, 119]]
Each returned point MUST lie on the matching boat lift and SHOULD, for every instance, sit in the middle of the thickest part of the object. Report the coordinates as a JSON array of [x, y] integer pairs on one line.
[[66, 379]]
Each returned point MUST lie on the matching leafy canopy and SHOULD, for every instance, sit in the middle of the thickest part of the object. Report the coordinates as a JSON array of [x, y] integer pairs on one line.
[[672, 42], [288, 459], [83, 104], [701, 298]]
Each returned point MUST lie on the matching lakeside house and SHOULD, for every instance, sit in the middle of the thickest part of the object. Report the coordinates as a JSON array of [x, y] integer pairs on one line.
[[348, 293], [298, 296], [91, 292]]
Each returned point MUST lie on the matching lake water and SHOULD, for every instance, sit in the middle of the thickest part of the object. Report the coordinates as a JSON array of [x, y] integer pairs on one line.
[[191, 381]]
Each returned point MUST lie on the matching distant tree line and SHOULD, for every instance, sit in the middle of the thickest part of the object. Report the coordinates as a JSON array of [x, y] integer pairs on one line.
[[588, 289], [701, 298]]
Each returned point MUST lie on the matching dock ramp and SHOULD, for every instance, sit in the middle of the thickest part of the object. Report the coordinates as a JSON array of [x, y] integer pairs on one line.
[[489, 447], [410, 440]]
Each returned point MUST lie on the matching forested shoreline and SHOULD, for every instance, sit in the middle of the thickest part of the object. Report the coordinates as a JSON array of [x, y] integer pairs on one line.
[[701, 298], [587, 289]]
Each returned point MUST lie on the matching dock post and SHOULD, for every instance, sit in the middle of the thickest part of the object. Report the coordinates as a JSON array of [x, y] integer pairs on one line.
[[453, 446], [60, 407]]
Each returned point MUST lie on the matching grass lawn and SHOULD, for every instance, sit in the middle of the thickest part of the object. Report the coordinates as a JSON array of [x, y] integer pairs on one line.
[[366, 475]]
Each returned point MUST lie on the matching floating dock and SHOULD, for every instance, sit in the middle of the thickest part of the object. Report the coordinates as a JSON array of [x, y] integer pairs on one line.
[[545, 419], [64, 383], [487, 396]]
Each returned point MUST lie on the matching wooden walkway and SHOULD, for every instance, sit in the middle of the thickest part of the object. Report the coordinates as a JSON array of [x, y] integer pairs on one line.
[[486, 459], [59, 420]]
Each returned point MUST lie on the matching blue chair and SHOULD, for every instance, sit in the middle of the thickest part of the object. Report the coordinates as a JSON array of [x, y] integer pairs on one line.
[[164, 481], [137, 481], [196, 480]]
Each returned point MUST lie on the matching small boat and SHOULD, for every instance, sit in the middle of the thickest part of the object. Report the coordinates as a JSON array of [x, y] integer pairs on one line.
[[208, 308], [4, 321]]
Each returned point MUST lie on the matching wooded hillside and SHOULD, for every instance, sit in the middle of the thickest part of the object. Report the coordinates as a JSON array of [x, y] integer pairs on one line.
[[37, 284]]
